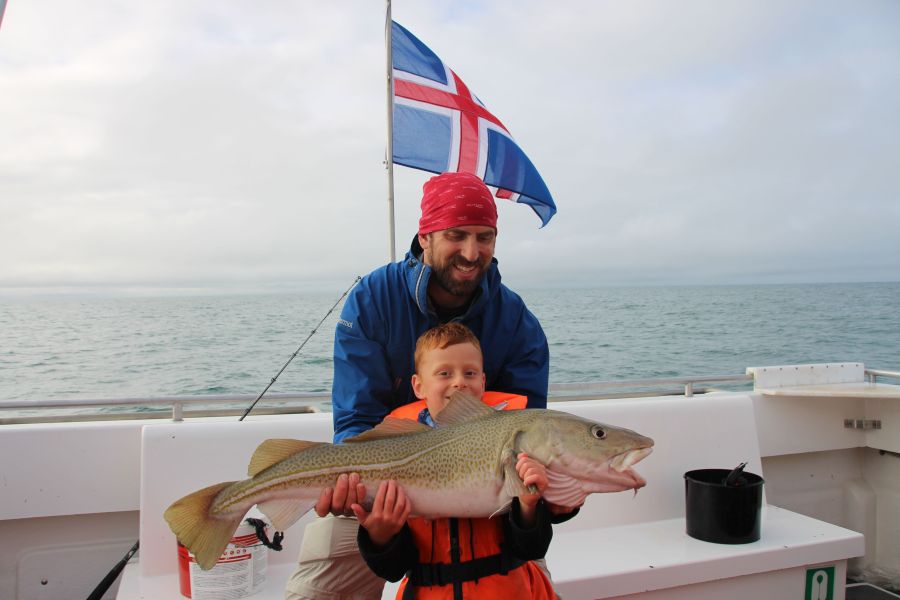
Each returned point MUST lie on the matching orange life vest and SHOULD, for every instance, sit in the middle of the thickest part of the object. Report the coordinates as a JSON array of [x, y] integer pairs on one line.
[[476, 538]]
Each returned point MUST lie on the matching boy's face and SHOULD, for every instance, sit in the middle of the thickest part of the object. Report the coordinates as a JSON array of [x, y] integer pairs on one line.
[[444, 371]]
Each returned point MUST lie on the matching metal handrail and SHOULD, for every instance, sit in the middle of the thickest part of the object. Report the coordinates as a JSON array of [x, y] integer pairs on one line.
[[871, 374], [687, 382], [160, 400], [177, 403], [151, 415]]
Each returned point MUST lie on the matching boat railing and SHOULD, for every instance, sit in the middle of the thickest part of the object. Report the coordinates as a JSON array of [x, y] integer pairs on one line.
[[588, 390], [873, 374], [177, 408]]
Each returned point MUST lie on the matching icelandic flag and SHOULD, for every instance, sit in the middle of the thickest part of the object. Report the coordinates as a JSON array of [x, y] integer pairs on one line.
[[439, 125]]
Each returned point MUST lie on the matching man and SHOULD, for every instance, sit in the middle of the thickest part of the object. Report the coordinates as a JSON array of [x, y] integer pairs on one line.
[[449, 274]]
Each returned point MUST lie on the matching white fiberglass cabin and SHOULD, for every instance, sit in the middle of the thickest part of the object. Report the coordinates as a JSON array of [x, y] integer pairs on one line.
[[76, 494]]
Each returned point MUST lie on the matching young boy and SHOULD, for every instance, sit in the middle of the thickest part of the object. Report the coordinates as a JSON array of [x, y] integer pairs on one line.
[[457, 558]]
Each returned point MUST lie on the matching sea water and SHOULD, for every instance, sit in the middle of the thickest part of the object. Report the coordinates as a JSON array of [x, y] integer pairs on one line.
[[161, 346]]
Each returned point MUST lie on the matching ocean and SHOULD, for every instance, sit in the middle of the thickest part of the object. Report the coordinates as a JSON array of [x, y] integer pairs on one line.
[[161, 346]]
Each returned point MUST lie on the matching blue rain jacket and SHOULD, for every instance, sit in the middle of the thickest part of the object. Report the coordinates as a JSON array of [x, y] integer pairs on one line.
[[385, 314]]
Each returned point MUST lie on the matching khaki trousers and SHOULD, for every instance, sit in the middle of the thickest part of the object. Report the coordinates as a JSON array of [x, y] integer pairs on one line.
[[330, 565]]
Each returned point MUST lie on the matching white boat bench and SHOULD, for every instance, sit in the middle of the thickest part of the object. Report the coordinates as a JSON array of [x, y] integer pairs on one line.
[[620, 545]]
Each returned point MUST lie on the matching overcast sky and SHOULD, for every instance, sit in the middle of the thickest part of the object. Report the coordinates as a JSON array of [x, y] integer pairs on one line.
[[237, 146]]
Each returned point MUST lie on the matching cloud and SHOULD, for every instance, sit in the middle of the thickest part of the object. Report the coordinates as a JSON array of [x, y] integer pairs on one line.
[[208, 146]]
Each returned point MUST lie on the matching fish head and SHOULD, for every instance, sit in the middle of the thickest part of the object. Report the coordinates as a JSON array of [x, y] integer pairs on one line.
[[583, 456]]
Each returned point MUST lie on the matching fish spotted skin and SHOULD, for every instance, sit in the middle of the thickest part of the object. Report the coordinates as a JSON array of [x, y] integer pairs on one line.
[[463, 468]]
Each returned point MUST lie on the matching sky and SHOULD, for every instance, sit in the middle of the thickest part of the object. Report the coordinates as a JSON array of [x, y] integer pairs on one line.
[[180, 146]]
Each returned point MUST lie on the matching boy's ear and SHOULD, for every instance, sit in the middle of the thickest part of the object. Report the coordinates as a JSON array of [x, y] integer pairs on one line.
[[417, 387]]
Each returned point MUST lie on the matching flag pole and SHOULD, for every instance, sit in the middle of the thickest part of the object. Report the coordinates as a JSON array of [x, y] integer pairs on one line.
[[389, 158]]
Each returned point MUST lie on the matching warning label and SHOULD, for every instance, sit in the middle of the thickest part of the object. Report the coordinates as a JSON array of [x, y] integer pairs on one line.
[[240, 572]]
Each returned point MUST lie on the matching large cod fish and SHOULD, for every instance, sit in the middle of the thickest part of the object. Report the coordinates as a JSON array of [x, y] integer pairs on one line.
[[463, 468]]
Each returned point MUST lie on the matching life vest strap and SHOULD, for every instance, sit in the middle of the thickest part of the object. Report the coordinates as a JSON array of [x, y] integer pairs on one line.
[[430, 574]]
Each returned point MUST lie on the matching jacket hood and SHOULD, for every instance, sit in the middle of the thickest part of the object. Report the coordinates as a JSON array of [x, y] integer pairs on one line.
[[417, 275]]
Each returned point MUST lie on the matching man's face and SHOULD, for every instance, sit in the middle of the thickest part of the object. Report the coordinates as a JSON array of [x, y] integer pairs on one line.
[[443, 371], [459, 257]]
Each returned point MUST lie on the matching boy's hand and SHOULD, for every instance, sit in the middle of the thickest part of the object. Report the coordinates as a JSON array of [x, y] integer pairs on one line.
[[338, 500], [531, 472], [389, 513]]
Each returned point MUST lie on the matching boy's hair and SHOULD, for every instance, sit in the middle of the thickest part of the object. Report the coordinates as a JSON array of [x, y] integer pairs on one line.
[[442, 336]]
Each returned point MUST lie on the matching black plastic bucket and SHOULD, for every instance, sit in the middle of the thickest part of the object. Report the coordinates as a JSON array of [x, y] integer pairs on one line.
[[719, 513]]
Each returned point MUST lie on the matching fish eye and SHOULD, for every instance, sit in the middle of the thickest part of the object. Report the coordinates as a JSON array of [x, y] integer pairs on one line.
[[598, 432]]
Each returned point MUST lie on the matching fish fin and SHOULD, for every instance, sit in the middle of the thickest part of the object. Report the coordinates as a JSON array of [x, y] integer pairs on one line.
[[390, 427], [461, 408], [563, 489], [274, 451], [513, 485], [284, 513], [205, 535], [503, 509]]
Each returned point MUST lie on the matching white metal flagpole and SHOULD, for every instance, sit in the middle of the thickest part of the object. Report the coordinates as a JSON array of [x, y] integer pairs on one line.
[[389, 158]]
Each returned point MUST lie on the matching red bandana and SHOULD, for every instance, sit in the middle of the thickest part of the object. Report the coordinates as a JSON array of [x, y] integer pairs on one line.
[[454, 200]]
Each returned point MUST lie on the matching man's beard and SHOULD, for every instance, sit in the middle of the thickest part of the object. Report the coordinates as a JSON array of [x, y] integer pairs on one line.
[[443, 275]]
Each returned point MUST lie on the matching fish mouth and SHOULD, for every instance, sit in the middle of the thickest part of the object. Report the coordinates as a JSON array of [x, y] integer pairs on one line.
[[621, 463], [617, 474]]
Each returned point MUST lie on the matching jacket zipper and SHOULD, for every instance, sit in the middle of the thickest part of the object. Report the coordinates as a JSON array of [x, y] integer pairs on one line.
[[418, 283]]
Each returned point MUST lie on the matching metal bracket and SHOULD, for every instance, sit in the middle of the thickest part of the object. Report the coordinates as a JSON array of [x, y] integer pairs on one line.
[[862, 423]]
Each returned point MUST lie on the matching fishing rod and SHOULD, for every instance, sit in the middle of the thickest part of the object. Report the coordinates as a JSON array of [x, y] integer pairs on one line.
[[259, 525], [114, 574]]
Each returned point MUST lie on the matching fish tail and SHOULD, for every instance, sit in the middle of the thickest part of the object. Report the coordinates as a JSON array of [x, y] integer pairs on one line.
[[205, 535]]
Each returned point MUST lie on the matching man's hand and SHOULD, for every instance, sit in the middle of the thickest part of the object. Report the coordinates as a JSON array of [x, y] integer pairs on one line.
[[389, 513], [531, 472], [339, 500]]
